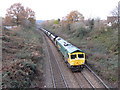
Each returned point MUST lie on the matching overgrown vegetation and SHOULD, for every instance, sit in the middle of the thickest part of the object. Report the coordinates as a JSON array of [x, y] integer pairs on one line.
[[22, 58], [97, 40]]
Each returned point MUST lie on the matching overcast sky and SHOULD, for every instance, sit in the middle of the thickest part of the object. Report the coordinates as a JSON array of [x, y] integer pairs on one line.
[[54, 9]]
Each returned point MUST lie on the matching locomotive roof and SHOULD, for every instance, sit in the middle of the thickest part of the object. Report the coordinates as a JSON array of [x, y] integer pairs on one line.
[[69, 47]]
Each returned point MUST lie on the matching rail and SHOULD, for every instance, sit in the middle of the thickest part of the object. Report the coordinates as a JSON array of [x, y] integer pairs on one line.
[[51, 69], [97, 76], [60, 70], [88, 80]]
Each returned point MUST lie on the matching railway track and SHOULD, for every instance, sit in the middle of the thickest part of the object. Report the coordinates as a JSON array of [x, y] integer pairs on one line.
[[99, 82], [58, 79], [85, 79], [88, 79]]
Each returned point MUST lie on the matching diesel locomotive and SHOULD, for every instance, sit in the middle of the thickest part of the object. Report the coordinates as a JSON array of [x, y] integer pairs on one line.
[[73, 56]]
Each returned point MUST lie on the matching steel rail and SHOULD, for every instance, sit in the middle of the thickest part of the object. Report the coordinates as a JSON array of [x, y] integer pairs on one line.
[[53, 80], [60, 70], [88, 80], [97, 76]]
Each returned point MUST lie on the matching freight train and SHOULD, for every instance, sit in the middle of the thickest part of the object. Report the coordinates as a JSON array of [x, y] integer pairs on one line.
[[73, 56]]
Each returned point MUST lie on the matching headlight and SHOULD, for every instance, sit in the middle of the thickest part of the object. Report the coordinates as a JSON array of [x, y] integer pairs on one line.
[[82, 63], [72, 63], [70, 60]]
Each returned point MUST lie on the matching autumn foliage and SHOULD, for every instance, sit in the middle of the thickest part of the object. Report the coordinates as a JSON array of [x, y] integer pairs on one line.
[[18, 15], [74, 16]]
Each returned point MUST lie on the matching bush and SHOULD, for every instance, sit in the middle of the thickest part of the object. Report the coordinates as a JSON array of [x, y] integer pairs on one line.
[[21, 56], [81, 33]]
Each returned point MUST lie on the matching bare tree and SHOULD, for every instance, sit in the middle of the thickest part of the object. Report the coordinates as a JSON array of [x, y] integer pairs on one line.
[[115, 11]]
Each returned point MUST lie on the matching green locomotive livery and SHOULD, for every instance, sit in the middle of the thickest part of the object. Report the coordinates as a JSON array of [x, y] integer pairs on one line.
[[74, 57]]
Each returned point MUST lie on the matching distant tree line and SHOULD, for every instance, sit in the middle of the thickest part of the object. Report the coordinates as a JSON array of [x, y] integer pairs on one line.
[[75, 20], [74, 17]]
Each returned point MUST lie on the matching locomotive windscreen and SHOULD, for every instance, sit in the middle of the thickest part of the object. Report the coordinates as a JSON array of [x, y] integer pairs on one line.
[[73, 56], [80, 56]]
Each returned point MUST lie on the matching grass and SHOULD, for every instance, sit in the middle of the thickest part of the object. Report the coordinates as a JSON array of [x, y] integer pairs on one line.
[[22, 55]]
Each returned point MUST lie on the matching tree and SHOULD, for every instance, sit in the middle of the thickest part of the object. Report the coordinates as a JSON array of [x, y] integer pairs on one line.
[[8, 21], [115, 11], [56, 22], [17, 15], [91, 24], [116, 14], [31, 20], [30, 15], [74, 16]]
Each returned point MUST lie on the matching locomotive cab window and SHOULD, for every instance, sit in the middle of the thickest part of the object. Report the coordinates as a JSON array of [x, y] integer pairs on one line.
[[73, 56], [80, 56]]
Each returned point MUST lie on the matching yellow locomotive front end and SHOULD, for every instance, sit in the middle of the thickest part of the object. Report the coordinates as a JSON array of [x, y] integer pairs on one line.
[[76, 60]]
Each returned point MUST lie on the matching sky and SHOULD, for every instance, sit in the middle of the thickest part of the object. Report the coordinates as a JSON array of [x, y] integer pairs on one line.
[[54, 9]]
